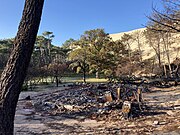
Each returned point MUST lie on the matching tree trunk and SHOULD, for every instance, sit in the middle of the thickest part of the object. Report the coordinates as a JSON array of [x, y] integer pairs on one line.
[[165, 38], [15, 71], [165, 71], [84, 75], [57, 81], [97, 74]]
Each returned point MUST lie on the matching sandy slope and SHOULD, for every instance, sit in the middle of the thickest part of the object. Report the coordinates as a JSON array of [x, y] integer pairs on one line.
[[148, 51]]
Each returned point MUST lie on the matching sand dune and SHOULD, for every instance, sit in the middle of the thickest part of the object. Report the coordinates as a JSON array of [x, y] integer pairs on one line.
[[148, 51]]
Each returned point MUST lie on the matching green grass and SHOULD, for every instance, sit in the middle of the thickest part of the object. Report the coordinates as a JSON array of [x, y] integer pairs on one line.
[[80, 79], [73, 79]]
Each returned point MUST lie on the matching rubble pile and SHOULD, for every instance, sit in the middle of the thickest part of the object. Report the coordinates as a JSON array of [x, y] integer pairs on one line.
[[94, 101], [99, 109]]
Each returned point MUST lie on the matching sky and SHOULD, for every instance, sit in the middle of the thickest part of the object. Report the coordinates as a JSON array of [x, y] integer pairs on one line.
[[70, 18]]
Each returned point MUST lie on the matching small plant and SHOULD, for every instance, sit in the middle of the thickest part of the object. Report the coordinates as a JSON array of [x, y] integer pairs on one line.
[[24, 87]]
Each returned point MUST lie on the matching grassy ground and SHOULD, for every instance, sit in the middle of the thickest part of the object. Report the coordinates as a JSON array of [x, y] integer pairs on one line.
[[47, 82], [80, 79], [48, 85]]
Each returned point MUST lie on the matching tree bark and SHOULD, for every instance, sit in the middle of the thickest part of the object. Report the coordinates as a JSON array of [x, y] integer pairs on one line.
[[57, 81], [84, 75], [166, 48], [14, 73]]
